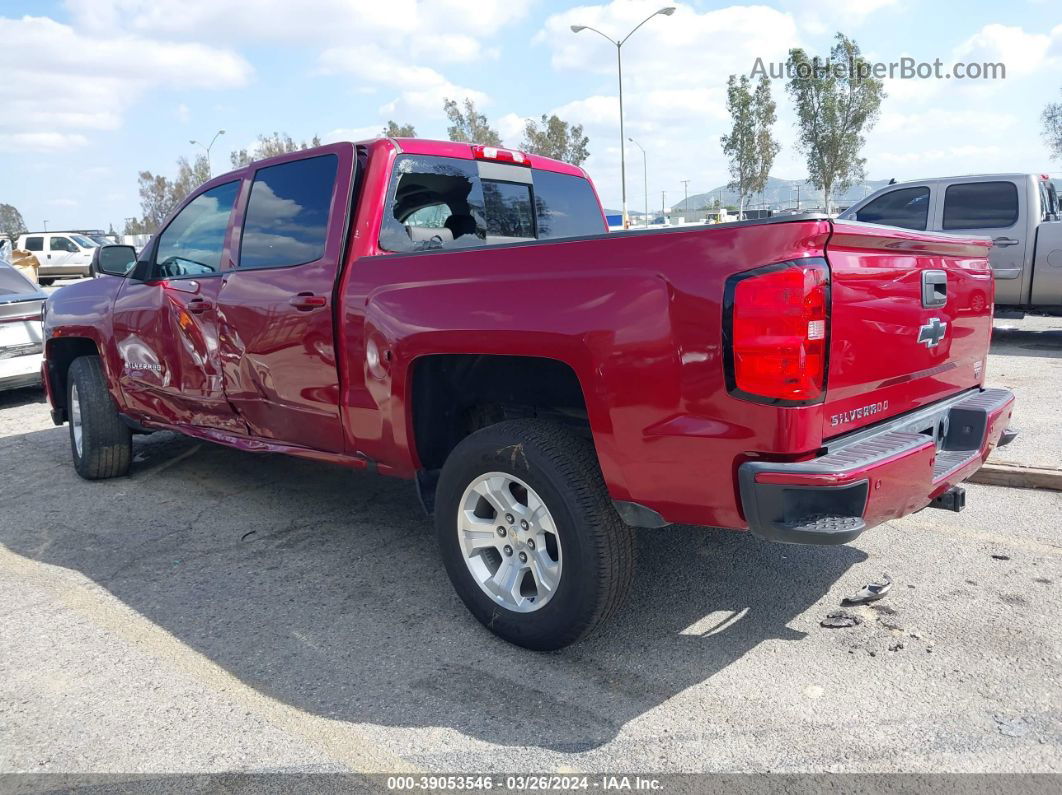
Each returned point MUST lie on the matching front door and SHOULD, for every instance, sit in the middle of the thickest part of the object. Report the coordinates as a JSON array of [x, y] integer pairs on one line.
[[166, 321], [276, 309], [62, 256]]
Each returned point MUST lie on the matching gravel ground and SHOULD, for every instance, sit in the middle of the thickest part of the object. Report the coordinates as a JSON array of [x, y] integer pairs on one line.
[[222, 611], [1027, 357]]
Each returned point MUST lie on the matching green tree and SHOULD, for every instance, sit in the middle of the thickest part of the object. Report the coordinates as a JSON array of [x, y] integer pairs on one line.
[[136, 226], [11, 223], [837, 102], [396, 130], [767, 148], [270, 146], [750, 147], [469, 126], [1052, 128], [156, 200], [159, 195], [557, 139]]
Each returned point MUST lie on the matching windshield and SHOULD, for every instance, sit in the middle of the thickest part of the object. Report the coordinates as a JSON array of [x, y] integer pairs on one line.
[[84, 242]]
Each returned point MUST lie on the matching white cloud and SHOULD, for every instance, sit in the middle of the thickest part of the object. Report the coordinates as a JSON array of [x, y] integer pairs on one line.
[[939, 142], [60, 83], [40, 141], [183, 113], [937, 120], [421, 88], [1021, 52], [409, 36], [511, 128], [823, 17], [351, 134]]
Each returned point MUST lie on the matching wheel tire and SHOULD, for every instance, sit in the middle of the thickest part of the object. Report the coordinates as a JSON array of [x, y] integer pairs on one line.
[[106, 446], [597, 546]]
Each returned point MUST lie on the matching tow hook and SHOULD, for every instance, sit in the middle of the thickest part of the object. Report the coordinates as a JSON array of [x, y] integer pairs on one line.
[[954, 499]]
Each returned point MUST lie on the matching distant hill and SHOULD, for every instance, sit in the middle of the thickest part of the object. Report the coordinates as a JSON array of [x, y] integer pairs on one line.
[[779, 193]]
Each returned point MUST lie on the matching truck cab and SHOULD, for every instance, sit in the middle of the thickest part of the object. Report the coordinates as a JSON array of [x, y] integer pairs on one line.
[[1019, 213]]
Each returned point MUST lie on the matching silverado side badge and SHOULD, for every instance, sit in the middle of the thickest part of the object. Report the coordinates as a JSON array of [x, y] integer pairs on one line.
[[932, 332]]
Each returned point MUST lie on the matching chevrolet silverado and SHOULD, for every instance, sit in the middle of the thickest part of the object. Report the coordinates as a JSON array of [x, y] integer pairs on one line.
[[459, 316]]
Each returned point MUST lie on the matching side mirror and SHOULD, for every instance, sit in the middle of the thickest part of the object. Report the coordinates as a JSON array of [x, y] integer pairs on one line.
[[113, 260]]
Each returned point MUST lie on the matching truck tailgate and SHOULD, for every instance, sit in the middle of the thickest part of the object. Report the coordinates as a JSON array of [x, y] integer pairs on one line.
[[911, 321]]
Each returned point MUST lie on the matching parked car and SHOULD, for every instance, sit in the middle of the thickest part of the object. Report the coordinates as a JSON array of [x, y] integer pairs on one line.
[[59, 253], [21, 340], [98, 236], [1019, 212], [458, 315]]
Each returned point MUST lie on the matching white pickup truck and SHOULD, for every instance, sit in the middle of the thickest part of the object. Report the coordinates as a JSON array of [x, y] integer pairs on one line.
[[1019, 212]]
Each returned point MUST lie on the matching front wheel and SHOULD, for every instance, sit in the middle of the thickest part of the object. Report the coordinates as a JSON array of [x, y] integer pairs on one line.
[[100, 442], [529, 536]]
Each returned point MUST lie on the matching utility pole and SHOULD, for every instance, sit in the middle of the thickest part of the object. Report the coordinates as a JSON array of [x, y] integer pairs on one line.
[[663, 211], [208, 147], [686, 194], [645, 179], [45, 224], [668, 11]]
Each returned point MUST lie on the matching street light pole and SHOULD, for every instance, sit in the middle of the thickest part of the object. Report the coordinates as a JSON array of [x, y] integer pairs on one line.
[[686, 195], [645, 178], [208, 147], [619, 69]]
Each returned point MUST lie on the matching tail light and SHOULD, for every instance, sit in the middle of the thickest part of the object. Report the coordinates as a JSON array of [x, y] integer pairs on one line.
[[776, 326]]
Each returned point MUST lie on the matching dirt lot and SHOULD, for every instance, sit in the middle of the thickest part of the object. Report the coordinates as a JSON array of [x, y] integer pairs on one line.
[[221, 611]]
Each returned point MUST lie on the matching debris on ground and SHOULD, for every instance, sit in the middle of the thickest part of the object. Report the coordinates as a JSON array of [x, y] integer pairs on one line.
[[1011, 726], [870, 592], [896, 646], [1000, 556], [840, 619]]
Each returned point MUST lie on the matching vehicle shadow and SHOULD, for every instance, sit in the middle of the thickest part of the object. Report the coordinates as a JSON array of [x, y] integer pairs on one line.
[[24, 396], [1011, 341], [322, 588]]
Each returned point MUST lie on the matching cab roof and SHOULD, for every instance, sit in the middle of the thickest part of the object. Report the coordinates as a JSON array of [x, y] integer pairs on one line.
[[463, 151]]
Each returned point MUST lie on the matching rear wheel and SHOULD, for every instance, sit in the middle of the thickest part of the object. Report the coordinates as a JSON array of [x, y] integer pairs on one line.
[[101, 444], [529, 536]]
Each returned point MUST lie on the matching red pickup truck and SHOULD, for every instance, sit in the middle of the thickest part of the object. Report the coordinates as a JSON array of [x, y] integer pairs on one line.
[[458, 315]]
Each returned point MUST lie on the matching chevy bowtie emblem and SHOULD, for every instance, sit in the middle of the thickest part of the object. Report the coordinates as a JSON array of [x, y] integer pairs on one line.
[[932, 332]]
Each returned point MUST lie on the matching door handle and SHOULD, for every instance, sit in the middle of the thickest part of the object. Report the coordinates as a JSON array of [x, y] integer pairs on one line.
[[198, 306], [308, 301], [1003, 242]]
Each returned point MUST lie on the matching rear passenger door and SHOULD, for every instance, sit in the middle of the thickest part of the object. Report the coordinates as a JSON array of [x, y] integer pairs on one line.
[[276, 307], [994, 209]]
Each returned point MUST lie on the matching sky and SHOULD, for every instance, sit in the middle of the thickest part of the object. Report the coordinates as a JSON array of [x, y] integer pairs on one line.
[[95, 91]]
